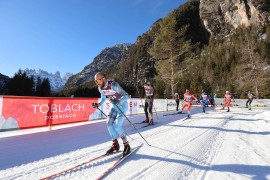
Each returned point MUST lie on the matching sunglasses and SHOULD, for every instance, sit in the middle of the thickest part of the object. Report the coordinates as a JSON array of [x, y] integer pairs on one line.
[[99, 80]]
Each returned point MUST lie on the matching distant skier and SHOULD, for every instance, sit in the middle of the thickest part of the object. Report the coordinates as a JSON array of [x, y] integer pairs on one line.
[[188, 101], [204, 99], [148, 105], [177, 99], [228, 98], [250, 99], [118, 97]]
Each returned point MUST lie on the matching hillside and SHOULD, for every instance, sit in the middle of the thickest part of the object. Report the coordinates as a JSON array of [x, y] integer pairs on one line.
[[105, 61], [213, 44]]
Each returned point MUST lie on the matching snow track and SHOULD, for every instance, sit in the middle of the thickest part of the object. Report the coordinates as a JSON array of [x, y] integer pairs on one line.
[[191, 143], [215, 145]]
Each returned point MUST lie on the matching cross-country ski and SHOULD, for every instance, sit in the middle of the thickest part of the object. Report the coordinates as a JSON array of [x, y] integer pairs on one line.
[[116, 163], [79, 165]]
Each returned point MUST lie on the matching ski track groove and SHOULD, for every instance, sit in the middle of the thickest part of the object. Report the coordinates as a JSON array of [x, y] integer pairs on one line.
[[200, 147], [69, 159], [214, 153], [66, 163], [151, 167], [218, 148]]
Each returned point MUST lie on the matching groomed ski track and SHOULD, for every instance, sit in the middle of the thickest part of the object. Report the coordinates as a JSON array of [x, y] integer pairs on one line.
[[206, 146]]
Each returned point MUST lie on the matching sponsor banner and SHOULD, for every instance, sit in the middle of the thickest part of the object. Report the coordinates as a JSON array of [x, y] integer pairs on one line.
[[35, 112], [242, 102], [27, 112], [171, 104], [135, 106], [159, 105], [105, 108]]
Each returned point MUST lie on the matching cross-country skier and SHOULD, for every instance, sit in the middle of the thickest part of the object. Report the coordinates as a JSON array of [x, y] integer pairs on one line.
[[204, 99], [148, 105], [118, 97], [228, 98], [177, 98], [250, 99], [188, 101]]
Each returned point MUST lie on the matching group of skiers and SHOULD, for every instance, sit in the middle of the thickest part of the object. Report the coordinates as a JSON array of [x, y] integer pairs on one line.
[[118, 98], [188, 100]]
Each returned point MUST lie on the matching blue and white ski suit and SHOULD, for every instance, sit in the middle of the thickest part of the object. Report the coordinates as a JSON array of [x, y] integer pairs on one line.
[[204, 98], [113, 90]]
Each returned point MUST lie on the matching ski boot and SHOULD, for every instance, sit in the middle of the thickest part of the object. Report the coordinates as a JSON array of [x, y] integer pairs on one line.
[[115, 147], [151, 122], [127, 149], [188, 116], [145, 121]]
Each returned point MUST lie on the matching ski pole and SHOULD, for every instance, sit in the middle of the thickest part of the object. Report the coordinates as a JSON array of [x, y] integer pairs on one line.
[[129, 136], [132, 124], [107, 116], [155, 109], [102, 112]]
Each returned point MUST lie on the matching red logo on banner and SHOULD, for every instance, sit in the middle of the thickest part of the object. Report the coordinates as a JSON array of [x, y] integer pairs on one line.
[[35, 112]]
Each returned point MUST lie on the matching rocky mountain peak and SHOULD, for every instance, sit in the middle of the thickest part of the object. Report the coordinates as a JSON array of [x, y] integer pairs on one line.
[[107, 59], [56, 81], [220, 17]]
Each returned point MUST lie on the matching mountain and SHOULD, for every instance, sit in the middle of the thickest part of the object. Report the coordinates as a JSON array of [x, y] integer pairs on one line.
[[222, 17], [56, 81], [214, 45], [105, 61], [3, 84]]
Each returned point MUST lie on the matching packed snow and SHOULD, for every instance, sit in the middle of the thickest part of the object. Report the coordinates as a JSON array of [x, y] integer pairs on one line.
[[212, 145]]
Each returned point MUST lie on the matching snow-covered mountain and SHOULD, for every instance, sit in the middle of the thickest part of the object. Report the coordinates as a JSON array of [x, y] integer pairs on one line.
[[56, 81]]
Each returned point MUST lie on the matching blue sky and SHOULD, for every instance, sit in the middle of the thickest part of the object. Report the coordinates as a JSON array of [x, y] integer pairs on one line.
[[66, 35]]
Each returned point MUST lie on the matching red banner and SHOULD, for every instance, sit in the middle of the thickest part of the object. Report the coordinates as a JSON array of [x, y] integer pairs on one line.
[[36, 112]]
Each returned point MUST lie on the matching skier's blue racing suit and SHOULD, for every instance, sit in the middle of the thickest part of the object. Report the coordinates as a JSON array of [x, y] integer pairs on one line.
[[114, 91]]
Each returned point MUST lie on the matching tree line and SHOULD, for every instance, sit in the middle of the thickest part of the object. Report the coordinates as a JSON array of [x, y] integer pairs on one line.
[[22, 85]]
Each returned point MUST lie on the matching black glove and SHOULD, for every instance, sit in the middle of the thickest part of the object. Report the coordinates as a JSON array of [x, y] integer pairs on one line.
[[114, 101], [95, 105]]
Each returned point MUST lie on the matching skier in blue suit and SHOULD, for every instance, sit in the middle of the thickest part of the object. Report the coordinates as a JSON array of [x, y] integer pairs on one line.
[[204, 99], [118, 97]]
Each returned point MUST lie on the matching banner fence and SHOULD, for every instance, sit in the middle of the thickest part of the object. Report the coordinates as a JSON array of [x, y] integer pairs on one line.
[[17, 112]]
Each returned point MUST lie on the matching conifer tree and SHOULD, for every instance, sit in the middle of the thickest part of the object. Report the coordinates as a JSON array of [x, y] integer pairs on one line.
[[45, 88], [169, 48], [21, 85], [252, 63]]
